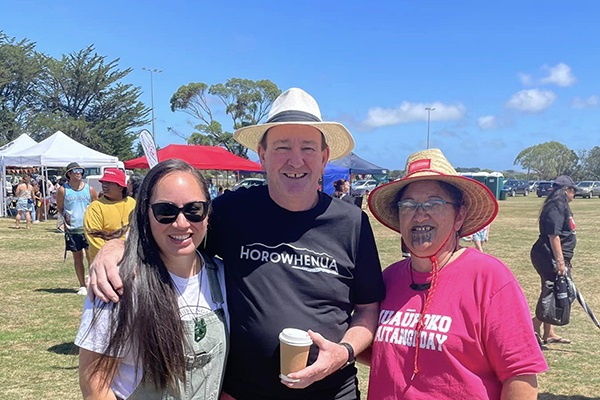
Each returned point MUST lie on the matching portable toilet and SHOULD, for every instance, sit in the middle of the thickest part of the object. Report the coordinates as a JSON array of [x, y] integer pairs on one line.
[[495, 182], [478, 176]]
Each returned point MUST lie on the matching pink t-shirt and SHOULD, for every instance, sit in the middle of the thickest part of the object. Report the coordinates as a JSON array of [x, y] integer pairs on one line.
[[477, 333]]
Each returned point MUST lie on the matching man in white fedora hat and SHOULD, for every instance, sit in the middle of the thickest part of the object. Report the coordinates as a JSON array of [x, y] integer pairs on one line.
[[294, 258]]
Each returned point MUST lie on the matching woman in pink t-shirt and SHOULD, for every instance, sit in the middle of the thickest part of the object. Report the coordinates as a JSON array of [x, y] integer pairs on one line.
[[455, 323]]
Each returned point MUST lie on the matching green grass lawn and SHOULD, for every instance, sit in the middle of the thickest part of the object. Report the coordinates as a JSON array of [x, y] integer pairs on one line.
[[39, 310]]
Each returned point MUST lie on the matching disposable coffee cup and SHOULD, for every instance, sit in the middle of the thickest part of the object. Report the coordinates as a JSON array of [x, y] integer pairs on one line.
[[294, 348]]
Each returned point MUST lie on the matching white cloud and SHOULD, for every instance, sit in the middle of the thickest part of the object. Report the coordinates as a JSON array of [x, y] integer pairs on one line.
[[411, 112], [525, 79], [533, 100], [591, 101], [559, 75], [487, 122]]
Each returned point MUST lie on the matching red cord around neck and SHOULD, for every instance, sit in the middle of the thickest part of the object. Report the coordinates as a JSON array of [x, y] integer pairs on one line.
[[429, 297]]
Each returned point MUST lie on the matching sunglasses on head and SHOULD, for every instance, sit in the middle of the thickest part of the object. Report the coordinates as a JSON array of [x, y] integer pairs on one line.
[[167, 213]]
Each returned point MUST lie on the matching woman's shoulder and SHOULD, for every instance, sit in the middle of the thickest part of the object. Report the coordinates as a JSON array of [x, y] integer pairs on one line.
[[396, 269], [484, 267]]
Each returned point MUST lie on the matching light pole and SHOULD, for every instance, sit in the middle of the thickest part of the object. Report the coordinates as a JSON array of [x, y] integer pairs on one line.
[[429, 110], [152, 71]]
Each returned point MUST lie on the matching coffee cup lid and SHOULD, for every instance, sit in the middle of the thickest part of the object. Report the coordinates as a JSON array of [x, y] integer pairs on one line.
[[295, 337]]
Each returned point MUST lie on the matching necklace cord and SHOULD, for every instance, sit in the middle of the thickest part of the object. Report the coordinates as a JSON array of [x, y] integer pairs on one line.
[[194, 312], [429, 297]]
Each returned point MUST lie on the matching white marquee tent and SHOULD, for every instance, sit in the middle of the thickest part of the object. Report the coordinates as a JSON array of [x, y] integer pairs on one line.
[[19, 144], [57, 150]]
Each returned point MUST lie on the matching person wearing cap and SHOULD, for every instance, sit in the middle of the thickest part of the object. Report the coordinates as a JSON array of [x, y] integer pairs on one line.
[[108, 217], [72, 199], [551, 254], [448, 328], [294, 258]]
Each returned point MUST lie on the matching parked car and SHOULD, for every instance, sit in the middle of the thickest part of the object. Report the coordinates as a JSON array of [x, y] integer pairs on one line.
[[587, 189], [533, 186], [244, 183], [513, 187], [544, 188], [363, 186]]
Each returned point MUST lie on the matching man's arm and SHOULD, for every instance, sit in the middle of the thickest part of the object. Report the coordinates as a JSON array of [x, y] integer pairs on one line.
[[93, 194], [522, 387], [60, 200], [104, 275], [333, 356]]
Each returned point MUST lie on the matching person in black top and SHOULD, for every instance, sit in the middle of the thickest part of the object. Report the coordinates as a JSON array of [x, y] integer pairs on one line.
[[551, 254], [294, 258]]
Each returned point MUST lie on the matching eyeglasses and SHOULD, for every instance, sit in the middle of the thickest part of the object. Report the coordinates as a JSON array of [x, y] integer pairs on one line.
[[433, 206], [77, 170], [167, 213]]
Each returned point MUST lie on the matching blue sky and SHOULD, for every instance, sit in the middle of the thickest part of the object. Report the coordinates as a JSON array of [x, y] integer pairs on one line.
[[502, 76]]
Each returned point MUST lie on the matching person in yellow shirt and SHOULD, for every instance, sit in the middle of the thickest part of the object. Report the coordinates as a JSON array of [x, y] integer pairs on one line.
[[108, 217]]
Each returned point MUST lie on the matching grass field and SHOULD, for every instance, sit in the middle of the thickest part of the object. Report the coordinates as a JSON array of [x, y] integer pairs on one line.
[[39, 310]]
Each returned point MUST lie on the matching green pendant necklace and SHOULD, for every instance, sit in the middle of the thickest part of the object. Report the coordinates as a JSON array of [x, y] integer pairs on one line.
[[199, 329], [199, 322]]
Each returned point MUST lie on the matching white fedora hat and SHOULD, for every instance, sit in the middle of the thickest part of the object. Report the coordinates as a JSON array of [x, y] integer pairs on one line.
[[296, 107]]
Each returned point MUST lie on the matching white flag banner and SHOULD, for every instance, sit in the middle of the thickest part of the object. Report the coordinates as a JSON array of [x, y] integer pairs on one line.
[[149, 148]]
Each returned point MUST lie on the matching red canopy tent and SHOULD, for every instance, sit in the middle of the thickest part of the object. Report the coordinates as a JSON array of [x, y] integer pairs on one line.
[[201, 157]]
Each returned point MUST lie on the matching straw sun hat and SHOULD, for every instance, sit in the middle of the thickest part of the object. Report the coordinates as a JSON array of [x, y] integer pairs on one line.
[[296, 107], [480, 203]]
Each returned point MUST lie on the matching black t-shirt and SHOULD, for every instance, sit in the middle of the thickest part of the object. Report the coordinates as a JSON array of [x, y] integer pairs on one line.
[[288, 269], [558, 221]]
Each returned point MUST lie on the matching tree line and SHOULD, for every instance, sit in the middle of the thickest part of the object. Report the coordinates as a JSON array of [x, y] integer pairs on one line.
[[548, 160], [84, 95], [80, 94]]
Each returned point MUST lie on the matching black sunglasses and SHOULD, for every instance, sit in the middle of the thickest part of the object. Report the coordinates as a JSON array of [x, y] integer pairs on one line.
[[167, 213]]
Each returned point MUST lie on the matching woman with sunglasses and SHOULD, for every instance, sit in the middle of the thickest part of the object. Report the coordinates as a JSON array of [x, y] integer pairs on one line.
[[454, 323], [167, 337]]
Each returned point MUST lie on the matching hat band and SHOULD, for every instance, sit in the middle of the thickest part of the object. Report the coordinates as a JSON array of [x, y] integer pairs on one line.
[[293, 116]]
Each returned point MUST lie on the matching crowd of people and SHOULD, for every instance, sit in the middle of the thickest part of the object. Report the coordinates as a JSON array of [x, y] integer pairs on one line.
[[29, 193], [190, 291]]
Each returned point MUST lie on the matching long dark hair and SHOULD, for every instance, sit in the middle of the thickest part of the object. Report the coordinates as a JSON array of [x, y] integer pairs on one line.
[[136, 182], [146, 319], [557, 199]]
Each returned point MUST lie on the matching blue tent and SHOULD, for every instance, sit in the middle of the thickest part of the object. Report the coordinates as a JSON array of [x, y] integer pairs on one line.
[[357, 165], [333, 173]]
